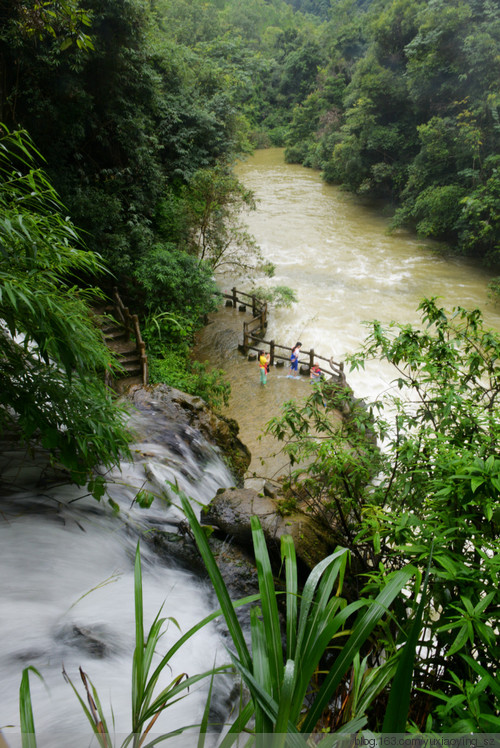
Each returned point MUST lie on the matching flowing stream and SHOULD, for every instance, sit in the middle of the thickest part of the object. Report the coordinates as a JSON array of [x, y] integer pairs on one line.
[[337, 255]]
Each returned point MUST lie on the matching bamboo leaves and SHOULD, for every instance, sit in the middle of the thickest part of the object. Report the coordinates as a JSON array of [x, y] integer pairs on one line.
[[52, 355]]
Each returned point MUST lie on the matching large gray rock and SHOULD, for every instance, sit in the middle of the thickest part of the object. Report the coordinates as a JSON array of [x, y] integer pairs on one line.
[[230, 512]]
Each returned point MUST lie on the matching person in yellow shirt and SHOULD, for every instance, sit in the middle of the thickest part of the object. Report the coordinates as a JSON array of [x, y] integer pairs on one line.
[[264, 359]]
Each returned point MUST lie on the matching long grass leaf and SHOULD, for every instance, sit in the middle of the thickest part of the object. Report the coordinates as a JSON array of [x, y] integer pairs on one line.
[[206, 713], [170, 694], [138, 657], [261, 669], [268, 704], [309, 590], [308, 664], [361, 631], [319, 616], [239, 726], [102, 739], [26, 709], [218, 583], [285, 701], [185, 637], [269, 606], [399, 698], [288, 554]]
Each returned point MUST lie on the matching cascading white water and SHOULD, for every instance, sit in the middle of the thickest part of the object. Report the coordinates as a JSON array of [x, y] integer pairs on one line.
[[67, 587]]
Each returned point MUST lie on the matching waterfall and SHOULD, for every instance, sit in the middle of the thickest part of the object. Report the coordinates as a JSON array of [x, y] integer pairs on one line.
[[67, 584]]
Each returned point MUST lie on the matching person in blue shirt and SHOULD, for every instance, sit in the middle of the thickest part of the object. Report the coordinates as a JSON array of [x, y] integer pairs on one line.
[[294, 360]]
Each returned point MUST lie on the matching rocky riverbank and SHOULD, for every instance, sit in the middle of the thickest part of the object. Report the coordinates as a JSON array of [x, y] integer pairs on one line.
[[182, 417]]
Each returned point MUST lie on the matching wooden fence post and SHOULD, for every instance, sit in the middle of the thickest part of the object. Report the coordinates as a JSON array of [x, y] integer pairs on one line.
[[235, 299], [271, 352], [254, 307], [126, 315], [311, 358], [245, 337]]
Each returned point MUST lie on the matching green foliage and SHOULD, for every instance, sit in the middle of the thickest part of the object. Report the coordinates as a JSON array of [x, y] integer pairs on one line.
[[52, 356], [194, 377], [168, 338], [26, 709], [279, 296], [479, 222], [437, 210], [215, 198], [417, 116], [331, 461], [436, 481], [278, 678], [177, 281]]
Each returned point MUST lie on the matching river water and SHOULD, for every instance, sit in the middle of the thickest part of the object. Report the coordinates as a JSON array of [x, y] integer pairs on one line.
[[337, 255]]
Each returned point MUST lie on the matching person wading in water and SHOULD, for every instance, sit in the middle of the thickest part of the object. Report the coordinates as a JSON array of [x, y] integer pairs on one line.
[[294, 360], [264, 366]]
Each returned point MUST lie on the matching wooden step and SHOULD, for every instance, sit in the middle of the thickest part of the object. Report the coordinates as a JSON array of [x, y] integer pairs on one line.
[[115, 335], [132, 367]]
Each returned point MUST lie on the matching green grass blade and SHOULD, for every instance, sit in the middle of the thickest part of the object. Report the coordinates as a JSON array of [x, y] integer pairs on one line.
[[261, 670], [308, 593], [308, 664], [184, 638], [97, 729], [269, 606], [362, 629], [398, 704], [138, 658], [319, 610], [206, 712], [288, 554], [285, 702], [239, 725], [268, 704], [172, 693], [26, 709], [374, 682], [218, 583]]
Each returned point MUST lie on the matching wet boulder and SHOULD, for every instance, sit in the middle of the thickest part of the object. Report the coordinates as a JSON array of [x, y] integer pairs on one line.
[[230, 511]]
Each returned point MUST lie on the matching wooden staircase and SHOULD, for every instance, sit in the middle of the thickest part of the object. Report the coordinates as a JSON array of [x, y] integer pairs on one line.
[[118, 326]]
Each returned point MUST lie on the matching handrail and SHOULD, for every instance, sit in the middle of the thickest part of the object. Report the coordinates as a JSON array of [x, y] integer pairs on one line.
[[131, 323], [259, 321]]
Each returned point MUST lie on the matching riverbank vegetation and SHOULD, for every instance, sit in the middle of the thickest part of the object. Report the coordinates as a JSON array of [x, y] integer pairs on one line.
[[434, 484]]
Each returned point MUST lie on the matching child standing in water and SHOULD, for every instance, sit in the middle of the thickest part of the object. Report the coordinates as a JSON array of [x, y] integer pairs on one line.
[[264, 366], [294, 360], [315, 373]]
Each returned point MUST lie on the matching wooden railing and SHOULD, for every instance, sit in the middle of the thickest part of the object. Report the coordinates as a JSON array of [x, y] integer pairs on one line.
[[256, 342], [259, 313], [130, 323]]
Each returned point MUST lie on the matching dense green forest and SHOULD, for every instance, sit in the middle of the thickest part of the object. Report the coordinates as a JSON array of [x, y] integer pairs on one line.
[[122, 120]]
